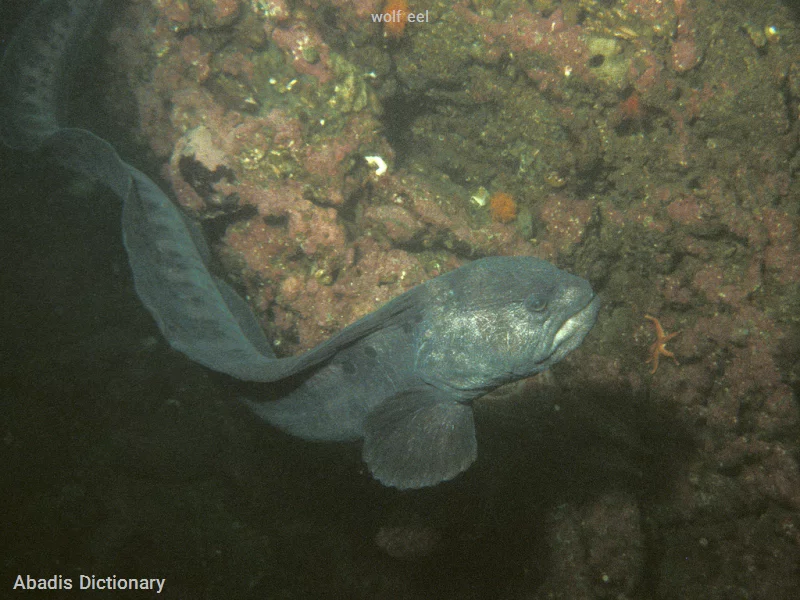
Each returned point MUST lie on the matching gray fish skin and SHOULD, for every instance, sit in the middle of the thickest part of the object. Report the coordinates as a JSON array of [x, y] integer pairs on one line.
[[401, 378], [406, 387]]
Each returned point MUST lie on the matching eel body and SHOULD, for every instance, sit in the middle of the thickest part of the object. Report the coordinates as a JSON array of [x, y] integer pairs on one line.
[[402, 378]]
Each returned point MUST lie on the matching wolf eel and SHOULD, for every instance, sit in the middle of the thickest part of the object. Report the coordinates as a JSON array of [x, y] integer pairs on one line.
[[402, 378]]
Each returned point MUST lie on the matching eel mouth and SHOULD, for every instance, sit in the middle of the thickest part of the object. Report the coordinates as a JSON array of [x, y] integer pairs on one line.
[[574, 329]]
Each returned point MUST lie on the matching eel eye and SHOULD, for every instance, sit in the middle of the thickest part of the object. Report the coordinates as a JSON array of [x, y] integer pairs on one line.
[[535, 304]]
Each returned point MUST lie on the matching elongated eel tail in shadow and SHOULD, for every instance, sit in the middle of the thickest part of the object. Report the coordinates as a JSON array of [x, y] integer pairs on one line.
[[198, 314]]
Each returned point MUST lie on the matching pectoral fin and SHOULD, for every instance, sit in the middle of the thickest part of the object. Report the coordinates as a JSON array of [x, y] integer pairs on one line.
[[415, 440]]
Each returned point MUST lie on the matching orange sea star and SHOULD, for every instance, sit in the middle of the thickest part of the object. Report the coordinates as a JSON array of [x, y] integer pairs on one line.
[[659, 346]]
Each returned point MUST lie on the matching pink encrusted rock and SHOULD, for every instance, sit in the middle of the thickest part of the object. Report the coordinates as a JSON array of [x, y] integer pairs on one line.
[[307, 305], [193, 107], [779, 412], [352, 16], [740, 450], [201, 145], [684, 56], [777, 477], [183, 14], [311, 312], [262, 248], [396, 222], [177, 11], [645, 70], [656, 13], [380, 275], [566, 219], [780, 256], [674, 290], [720, 285], [273, 12], [527, 32], [687, 210], [225, 10], [288, 129], [238, 65], [194, 57], [314, 229], [304, 46], [446, 217], [273, 132], [751, 371], [329, 159], [164, 96]]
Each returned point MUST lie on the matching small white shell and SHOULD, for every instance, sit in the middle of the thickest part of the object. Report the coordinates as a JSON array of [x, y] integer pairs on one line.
[[377, 162], [480, 196]]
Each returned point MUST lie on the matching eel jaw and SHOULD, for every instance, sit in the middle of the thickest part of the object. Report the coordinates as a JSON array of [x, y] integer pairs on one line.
[[571, 333]]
